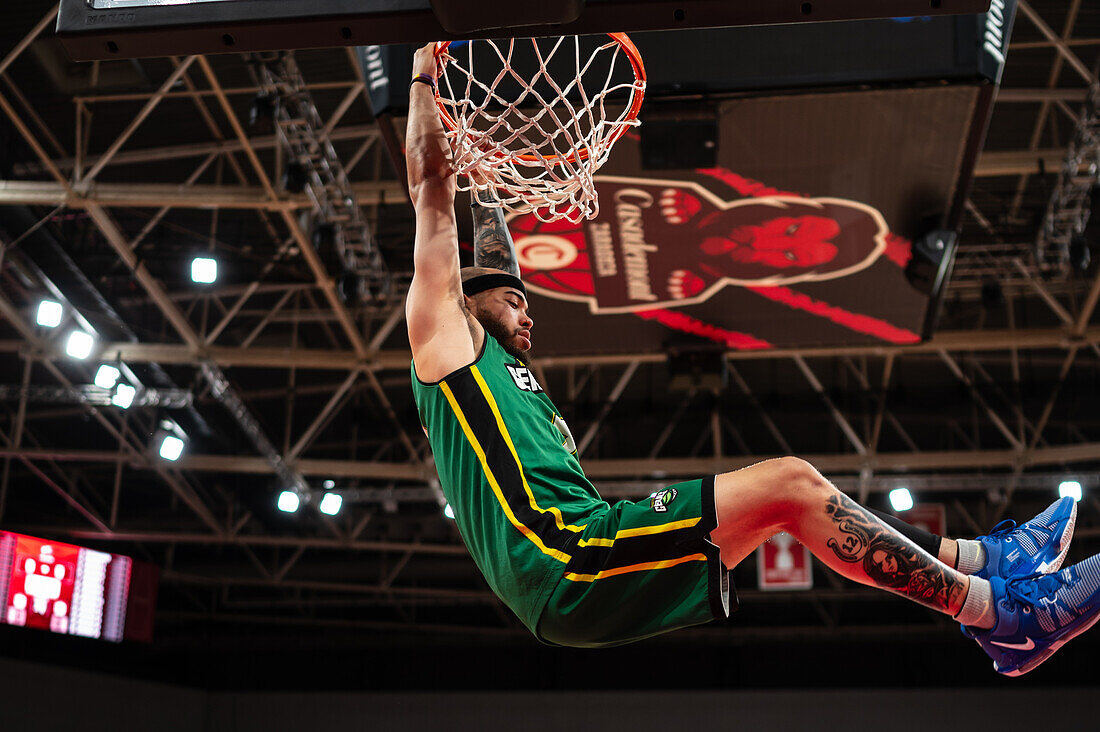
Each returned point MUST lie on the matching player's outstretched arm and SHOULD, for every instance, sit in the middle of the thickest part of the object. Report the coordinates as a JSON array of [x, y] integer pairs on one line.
[[439, 332], [493, 245]]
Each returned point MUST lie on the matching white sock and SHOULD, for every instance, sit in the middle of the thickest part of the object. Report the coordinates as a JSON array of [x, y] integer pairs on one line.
[[977, 609], [971, 556]]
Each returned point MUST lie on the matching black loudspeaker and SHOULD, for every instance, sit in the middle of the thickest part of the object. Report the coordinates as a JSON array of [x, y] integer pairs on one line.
[[294, 177], [933, 257], [462, 16], [679, 144], [261, 114]]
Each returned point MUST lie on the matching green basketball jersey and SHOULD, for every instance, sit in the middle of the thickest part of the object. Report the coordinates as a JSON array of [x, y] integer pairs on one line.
[[508, 467]]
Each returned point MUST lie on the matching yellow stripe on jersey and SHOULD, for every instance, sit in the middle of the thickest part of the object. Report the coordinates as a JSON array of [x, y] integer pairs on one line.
[[645, 566], [534, 539], [640, 531], [558, 519]]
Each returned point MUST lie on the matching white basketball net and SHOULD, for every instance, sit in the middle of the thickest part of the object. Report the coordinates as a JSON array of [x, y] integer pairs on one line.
[[538, 150]]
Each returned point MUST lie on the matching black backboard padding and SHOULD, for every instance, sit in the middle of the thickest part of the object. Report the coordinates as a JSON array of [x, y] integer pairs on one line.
[[258, 25]]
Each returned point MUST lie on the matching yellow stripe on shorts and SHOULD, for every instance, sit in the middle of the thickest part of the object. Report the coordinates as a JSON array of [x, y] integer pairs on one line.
[[645, 566]]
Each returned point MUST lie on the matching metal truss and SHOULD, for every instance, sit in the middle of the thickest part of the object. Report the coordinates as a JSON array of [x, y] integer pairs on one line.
[[304, 135], [1070, 204], [92, 394]]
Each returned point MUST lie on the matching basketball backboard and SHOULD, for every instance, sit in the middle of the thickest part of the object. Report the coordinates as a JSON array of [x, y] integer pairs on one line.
[[105, 29]]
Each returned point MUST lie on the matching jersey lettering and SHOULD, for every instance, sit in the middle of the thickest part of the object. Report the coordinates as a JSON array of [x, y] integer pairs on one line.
[[524, 379]]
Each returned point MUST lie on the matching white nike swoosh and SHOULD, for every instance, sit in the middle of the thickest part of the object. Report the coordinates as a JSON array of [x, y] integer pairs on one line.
[[1017, 646]]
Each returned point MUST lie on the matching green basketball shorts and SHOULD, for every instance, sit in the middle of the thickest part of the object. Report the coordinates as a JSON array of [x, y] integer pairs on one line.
[[639, 570]]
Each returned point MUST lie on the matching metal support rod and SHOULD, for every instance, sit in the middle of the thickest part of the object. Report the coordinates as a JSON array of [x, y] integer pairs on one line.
[[160, 214], [116, 491], [17, 437], [761, 412], [196, 149], [840, 419], [35, 145], [29, 110], [414, 456], [323, 417], [267, 318], [1049, 406], [980, 401], [1059, 44], [282, 571], [26, 41], [716, 429], [252, 288], [671, 424], [880, 412], [138, 119], [1044, 109], [1089, 306], [616, 392], [1050, 300]]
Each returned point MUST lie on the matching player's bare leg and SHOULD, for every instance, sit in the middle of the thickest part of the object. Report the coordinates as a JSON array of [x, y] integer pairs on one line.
[[788, 494]]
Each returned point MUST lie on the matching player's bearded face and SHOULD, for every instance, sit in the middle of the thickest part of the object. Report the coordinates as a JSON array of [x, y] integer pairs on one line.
[[503, 314]]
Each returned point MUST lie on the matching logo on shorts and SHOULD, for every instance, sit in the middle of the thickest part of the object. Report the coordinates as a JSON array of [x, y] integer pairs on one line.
[[659, 501]]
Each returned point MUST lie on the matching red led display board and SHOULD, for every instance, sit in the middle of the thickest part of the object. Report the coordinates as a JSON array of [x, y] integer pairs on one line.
[[74, 590]]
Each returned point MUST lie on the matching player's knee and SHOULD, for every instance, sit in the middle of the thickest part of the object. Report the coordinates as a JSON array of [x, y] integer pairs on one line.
[[800, 479], [792, 479]]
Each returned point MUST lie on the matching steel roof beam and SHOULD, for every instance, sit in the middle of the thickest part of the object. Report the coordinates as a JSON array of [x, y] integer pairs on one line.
[[657, 468], [346, 360]]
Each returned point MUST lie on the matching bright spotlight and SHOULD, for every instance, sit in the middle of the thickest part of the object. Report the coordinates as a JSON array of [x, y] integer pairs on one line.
[[124, 396], [79, 345], [106, 377], [448, 511], [288, 501], [329, 484], [901, 499], [171, 447], [49, 313], [204, 270], [331, 503], [1070, 488]]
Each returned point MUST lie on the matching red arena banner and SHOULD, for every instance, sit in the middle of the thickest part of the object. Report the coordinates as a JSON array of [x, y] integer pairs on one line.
[[667, 243], [782, 563], [663, 249]]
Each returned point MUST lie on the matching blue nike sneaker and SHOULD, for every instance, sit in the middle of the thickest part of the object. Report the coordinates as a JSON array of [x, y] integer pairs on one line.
[[1037, 615], [1036, 546]]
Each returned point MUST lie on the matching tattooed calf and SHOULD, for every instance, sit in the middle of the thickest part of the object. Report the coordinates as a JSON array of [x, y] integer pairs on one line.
[[889, 560]]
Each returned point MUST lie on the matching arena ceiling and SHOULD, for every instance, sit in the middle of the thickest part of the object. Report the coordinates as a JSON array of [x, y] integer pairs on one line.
[[116, 173]]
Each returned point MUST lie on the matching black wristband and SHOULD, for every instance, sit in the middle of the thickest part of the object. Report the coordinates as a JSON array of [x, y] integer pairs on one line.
[[424, 79]]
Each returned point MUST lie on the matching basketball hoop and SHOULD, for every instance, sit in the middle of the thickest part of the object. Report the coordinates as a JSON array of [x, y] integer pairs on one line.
[[528, 142]]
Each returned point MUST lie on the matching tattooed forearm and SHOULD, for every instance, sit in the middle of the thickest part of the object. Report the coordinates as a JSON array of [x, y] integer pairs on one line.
[[890, 560], [492, 243]]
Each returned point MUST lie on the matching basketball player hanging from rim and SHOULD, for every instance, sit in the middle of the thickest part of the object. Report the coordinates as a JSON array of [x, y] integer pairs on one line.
[[580, 572]]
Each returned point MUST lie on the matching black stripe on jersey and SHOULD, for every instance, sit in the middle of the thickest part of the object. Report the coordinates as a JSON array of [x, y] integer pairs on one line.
[[633, 550], [483, 423]]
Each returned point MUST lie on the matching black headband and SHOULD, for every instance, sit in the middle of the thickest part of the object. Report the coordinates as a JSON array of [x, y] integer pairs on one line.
[[484, 282]]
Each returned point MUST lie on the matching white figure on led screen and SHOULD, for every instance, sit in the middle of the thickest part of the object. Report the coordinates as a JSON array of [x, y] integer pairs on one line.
[[41, 591]]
